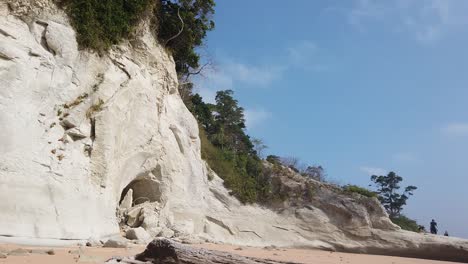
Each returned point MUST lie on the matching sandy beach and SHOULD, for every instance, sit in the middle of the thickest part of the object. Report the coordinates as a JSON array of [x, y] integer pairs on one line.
[[81, 254]]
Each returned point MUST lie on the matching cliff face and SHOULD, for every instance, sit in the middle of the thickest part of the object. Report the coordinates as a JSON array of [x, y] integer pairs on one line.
[[78, 128], [89, 142]]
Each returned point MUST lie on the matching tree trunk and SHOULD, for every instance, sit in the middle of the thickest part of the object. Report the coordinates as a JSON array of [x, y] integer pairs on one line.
[[162, 251]]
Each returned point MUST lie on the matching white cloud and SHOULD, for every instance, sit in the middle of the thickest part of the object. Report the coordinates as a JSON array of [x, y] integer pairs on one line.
[[365, 10], [373, 171], [304, 55], [456, 129], [301, 51], [256, 75], [230, 74], [254, 117], [427, 21]]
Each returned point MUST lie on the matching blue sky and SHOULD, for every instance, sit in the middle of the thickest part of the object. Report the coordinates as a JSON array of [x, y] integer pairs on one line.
[[359, 87]]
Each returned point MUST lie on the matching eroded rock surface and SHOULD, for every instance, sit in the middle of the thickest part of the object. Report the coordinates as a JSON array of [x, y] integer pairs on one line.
[[82, 134]]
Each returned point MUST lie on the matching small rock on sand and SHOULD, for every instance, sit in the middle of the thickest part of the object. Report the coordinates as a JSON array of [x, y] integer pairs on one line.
[[138, 234], [272, 247], [115, 243], [42, 251], [166, 232], [3, 256], [93, 242]]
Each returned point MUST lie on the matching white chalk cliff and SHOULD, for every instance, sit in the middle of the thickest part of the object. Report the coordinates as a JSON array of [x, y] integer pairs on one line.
[[87, 141]]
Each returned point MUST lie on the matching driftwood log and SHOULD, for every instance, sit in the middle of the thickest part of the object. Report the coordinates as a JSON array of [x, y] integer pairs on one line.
[[162, 251]]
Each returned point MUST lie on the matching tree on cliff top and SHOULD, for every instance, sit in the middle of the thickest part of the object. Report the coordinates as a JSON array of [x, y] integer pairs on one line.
[[183, 25], [387, 187]]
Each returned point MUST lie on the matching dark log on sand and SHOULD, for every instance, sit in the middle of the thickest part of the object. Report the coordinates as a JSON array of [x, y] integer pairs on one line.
[[162, 251]]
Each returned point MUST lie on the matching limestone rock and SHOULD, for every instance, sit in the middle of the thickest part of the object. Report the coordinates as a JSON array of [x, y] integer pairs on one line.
[[93, 242], [138, 234], [127, 200], [149, 218], [116, 243], [166, 232], [133, 217]]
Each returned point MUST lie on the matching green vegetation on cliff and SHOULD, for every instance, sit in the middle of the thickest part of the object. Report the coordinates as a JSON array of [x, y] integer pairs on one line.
[[102, 23], [181, 25], [406, 223], [227, 148], [360, 190]]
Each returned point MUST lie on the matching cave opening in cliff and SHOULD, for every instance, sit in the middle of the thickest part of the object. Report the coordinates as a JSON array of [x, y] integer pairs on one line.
[[143, 190]]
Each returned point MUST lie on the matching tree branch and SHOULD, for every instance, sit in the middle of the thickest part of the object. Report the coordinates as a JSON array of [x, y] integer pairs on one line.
[[196, 72], [180, 31]]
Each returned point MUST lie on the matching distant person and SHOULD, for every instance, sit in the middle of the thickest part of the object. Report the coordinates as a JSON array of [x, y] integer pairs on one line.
[[446, 233], [433, 227]]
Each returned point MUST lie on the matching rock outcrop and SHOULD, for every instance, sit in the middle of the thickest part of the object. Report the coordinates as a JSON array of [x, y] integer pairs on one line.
[[89, 142]]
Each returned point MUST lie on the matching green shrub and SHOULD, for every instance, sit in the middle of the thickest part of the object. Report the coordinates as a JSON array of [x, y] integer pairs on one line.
[[231, 168], [275, 160], [406, 223], [102, 23], [360, 190]]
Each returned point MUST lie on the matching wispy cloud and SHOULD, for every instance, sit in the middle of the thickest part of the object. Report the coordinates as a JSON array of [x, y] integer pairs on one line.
[[426, 21], [260, 76], [373, 170], [254, 117], [456, 129], [364, 10], [305, 55], [230, 74], [303, 50]]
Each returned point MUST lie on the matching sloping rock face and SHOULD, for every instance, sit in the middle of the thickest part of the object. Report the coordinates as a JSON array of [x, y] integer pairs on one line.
[[77, 128], [82, 134]]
